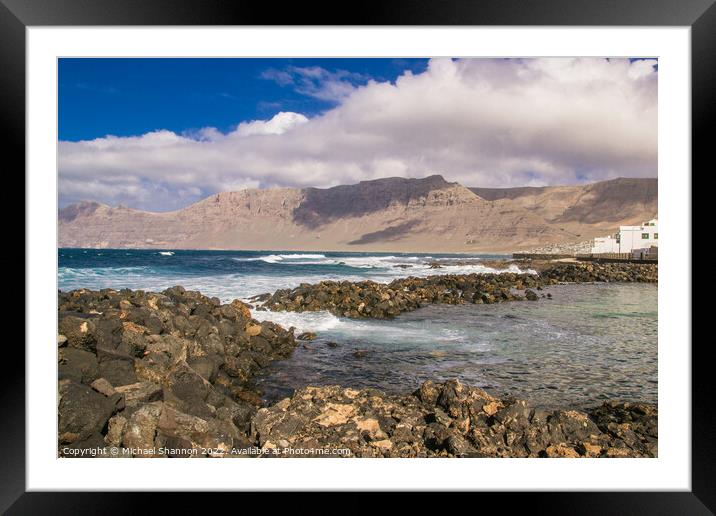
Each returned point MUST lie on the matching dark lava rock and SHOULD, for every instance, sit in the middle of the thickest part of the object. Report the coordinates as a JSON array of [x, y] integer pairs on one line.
[[531, 295], [368, 299], [79, 332], [174, 371], [78, 365], [174, 367], [82, 411], [117, 368], [450, 420]]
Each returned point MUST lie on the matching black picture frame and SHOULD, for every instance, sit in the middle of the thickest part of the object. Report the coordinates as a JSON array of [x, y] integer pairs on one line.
[[700, 15]]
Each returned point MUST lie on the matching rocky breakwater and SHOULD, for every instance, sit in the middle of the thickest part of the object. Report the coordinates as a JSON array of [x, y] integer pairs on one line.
[[450, 420], [601, 272], [368, 299], [144, 371]]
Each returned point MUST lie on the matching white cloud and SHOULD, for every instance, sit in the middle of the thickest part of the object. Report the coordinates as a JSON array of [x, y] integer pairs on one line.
[[279, 124], [482, 122], [317, 82]]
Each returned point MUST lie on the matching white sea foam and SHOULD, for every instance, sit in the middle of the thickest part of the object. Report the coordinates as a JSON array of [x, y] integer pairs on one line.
[[276, 258], [398, 332], [166, 253], [386, 268], [306, 321], [301, 256]]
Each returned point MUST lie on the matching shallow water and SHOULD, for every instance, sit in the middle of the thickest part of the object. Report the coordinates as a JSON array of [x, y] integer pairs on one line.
[[590, 342]]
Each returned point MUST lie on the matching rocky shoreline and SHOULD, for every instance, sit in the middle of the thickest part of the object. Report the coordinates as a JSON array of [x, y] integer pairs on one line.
[[138, 368], [170, 375], [368, 299], [451, 420]]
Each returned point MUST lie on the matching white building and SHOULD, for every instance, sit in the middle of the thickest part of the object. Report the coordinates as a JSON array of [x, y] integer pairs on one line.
[[629, 239]]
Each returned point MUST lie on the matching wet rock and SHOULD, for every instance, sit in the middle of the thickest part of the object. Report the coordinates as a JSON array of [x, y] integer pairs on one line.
[[308, 335], [530, 295]]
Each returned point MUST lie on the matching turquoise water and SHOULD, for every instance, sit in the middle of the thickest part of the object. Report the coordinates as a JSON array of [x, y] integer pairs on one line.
[[590, 342]]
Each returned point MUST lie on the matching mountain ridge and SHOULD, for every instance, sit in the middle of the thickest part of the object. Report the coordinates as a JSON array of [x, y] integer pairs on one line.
[[391, 214]]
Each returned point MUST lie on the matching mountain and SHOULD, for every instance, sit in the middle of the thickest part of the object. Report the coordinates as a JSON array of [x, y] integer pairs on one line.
[[393, 214], [608, 203]]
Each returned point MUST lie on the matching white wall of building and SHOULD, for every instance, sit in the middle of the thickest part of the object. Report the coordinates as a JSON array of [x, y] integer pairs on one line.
[[638, 237], [629, 238], [605, 245]]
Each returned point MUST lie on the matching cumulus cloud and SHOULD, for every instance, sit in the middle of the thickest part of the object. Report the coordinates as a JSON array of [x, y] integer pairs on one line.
[[279, 124], [482, 122]]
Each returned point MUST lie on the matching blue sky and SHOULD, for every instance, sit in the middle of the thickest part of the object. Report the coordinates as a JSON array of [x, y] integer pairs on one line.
[[125, 97], [159, 134]]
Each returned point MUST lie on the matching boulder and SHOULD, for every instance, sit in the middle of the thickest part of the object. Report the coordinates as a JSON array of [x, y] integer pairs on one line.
[[79, 332], [140, 392], [78, 365], [531, 295], [242, 309], [140, 429], [82, 411], [102, 386], [116, 367]]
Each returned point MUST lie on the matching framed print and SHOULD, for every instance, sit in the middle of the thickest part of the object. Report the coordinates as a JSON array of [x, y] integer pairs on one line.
[[423, 248]]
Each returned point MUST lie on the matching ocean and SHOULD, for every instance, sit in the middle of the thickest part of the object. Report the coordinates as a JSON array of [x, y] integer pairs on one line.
[[588, 343]]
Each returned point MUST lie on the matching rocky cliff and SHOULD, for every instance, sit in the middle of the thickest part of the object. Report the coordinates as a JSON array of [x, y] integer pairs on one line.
[[393, 214]]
